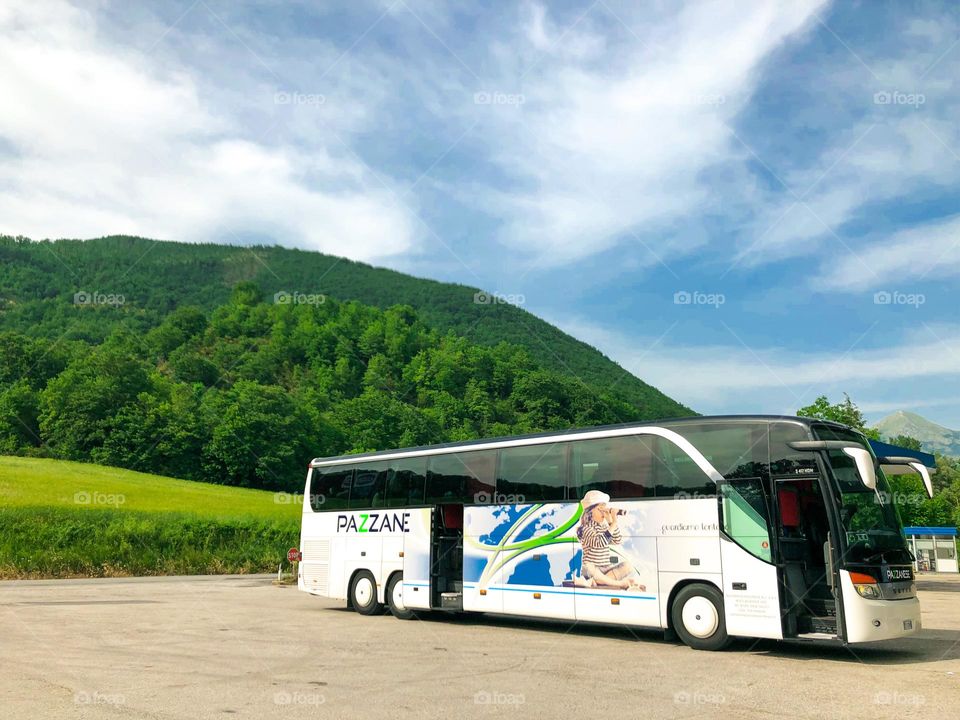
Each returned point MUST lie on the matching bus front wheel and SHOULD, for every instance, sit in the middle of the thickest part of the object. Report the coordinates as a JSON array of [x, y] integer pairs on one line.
[[363, 594], [395, 598], [697, 615]]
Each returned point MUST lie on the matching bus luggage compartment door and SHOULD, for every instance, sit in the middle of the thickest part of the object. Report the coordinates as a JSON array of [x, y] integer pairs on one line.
[[416, 559]]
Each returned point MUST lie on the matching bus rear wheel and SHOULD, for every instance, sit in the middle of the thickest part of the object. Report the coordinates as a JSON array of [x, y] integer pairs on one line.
[[697, 615], [363, 594], [395, 598]]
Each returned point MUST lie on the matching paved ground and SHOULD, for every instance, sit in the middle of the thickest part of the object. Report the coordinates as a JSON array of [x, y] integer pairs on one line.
[[239, 646]]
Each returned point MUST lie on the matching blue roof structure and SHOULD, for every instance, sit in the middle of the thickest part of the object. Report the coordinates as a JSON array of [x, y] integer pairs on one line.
[[930, 531], [882, 448]]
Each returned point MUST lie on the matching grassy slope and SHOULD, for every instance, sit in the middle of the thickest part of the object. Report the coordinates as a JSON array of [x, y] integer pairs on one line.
[[134, 523], [156, 277]]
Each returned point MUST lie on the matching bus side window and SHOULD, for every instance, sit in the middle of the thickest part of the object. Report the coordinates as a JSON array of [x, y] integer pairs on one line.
[[330, 488], [533, 473], [367, 485], [405, 482], [465, 477], [622, 467]]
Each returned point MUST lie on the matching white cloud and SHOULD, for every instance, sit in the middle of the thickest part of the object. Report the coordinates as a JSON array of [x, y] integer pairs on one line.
[[614, 142], [905, 260], [741, 379], [108, 140]]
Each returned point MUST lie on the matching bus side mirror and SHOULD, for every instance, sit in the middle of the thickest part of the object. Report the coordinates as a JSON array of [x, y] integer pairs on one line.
[[925, 474], [864, 460], [906, 465]]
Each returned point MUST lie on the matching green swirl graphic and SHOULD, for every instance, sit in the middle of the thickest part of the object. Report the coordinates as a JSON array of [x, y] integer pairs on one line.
[[514, 549]]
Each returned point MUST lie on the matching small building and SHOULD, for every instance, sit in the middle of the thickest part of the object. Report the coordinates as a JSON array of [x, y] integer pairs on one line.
[[935, 548]]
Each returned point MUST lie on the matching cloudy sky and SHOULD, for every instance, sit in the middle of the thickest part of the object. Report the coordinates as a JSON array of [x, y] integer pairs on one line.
[[745, 204]]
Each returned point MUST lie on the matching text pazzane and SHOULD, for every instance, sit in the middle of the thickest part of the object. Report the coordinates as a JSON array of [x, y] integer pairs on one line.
[[374, 522]]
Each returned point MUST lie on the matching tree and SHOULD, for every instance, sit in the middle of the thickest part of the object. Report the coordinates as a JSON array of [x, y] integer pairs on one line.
[[76, 407], [906, 441], [845, 412], [259, 437]]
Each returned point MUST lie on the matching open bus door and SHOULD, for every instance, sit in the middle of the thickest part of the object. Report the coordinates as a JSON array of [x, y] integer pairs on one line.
[[416, 559]]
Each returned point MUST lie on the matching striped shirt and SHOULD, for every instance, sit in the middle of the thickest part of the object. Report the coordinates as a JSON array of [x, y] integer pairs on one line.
[[595, 539]]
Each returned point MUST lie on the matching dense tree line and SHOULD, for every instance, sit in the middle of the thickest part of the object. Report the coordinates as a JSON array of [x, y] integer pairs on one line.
[[247, 394], [39, 279]]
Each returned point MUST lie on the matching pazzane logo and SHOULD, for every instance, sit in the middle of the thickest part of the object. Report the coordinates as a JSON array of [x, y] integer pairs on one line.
[[374, 522], [895, 574]]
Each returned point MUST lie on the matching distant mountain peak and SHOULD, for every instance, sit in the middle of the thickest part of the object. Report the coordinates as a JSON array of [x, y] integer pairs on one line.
[[935, 438]]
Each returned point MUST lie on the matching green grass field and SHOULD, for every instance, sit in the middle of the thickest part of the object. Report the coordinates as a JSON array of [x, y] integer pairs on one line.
[[65, 519]]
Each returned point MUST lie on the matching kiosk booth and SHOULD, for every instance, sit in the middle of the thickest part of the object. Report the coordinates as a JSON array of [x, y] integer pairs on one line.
[[935, 548]]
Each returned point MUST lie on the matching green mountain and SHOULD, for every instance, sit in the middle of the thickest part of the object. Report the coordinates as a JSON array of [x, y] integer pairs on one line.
[[935, 438], [39, 281]]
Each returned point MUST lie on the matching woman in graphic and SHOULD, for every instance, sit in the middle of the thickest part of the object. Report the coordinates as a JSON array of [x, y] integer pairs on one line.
[[598, 530]]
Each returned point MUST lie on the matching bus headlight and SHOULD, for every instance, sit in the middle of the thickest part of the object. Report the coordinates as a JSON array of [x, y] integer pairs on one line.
[[865, 585]]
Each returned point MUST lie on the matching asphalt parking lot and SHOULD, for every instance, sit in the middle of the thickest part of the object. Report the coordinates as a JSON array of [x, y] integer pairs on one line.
[[243, 647]]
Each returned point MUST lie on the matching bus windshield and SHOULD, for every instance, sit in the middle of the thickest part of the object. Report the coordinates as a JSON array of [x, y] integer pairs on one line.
[[872, 528]]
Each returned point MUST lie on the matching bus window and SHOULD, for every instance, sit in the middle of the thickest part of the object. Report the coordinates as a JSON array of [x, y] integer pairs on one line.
[[367, 486], [405, 482], [533, 473], [622, 467], [330, 488], [678, 476], [464, 477]]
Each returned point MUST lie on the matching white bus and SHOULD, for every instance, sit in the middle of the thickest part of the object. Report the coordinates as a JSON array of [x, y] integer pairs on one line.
[[709, 528]]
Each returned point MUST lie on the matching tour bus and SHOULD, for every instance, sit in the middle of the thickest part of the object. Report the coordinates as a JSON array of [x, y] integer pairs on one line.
[[708, 528]]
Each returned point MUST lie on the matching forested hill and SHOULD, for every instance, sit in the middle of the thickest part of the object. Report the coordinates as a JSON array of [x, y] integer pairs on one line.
[[38, 281]]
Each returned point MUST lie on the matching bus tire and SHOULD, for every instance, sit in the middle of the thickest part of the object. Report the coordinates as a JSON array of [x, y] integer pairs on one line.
[[363, 594], [697, 616], [395, 598]]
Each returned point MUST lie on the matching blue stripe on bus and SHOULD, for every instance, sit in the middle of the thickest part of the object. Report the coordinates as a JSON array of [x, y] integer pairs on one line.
[[570, 592], [417, 584]]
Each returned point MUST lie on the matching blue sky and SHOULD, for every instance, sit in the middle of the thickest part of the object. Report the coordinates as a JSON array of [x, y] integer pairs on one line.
[[745, 204]]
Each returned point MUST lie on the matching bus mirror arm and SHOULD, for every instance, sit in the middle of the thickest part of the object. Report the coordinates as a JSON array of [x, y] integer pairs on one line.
[[906, 466], [861, 456]]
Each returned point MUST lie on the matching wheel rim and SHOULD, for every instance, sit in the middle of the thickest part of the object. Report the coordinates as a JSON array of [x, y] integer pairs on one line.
[[700, 617], [363, 592], [397, 595]]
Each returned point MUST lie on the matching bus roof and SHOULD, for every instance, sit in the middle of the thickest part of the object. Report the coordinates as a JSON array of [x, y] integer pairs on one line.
[[478, 444]]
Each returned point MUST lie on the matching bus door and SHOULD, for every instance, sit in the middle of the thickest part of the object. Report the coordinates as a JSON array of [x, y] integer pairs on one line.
[[446, 553], [751, 592], [416, 559], [803, 531]]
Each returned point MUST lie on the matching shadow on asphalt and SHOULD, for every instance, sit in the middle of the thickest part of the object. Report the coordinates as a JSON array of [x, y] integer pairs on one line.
[[926, 647]]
